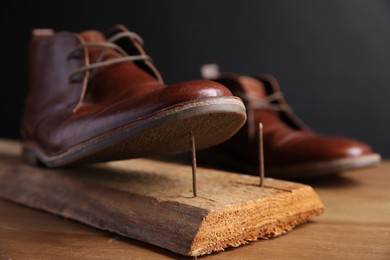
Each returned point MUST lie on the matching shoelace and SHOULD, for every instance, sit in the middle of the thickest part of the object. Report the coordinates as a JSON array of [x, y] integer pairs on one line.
[[106, 45], [132, 35], [254, 103], [90, 69], [265, 102]]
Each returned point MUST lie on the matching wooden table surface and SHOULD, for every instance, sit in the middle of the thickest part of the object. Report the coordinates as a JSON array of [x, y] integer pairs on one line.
[[356, 225]]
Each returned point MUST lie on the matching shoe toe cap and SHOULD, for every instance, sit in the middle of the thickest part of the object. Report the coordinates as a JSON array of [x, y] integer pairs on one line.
[[200, 89], [320, 148]]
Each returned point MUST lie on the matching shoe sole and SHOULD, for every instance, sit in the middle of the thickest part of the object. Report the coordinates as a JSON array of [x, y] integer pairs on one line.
[[319, 169], [292, 172], [212, 120]]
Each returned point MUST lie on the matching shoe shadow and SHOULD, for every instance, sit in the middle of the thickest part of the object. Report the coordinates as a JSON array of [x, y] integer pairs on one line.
[[335, 181], [103, 172]]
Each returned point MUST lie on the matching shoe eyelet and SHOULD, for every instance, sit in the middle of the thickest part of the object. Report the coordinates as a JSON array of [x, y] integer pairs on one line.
[[76, 54], [76, 78], [70, 106]]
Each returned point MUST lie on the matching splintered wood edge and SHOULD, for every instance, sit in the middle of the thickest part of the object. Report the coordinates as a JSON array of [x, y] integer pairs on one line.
[[259, 219]]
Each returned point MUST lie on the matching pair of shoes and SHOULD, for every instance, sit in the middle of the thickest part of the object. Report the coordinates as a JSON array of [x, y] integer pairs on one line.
[[291, 149], [95, 98]]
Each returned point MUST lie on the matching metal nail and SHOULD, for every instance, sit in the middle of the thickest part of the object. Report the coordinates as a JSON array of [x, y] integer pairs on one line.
[[261, 156], [193, 162]]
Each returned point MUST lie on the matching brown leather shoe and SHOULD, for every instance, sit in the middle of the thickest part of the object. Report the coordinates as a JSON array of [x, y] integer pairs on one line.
[[91, 100], [291, 149]]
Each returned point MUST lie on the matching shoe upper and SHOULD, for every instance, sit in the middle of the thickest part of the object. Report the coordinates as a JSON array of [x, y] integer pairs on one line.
[[71, 101], [287, 140]]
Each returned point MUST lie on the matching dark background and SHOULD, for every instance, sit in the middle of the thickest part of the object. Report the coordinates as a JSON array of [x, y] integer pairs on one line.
[[332, 57]]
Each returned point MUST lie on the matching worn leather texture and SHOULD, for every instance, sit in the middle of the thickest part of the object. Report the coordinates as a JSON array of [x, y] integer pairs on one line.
[[58, 115]]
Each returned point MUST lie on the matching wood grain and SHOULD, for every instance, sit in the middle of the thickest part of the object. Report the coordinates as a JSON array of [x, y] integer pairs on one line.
[[152, 201]]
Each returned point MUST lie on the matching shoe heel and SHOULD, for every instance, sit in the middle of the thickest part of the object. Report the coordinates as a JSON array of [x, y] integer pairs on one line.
[[29, 156]]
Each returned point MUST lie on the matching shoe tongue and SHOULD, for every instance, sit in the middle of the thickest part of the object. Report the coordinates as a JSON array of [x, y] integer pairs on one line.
[[252, 87], [93, 36], [95, 52]]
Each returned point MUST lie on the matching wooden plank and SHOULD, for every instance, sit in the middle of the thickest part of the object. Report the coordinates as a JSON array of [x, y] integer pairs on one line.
[[152, 201], [356, 226]]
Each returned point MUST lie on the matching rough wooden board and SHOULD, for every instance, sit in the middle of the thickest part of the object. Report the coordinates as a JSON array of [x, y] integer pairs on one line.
[[356, 226], [152, 201]]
